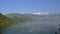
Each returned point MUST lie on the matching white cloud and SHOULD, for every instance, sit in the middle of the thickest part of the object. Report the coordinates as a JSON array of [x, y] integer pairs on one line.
[[40, 13], [36, 13]]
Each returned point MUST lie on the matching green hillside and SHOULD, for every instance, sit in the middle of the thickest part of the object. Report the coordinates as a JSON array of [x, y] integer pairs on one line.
[[4, 22]]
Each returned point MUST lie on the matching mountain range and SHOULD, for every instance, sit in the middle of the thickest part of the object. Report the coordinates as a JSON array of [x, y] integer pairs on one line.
[[34, 18]]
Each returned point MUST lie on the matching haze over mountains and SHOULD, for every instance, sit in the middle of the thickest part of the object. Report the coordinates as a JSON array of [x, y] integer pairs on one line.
[[33, 17], [18, 17]]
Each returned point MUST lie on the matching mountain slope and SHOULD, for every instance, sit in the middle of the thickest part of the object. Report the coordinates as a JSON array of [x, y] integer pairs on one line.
[[5, 21]]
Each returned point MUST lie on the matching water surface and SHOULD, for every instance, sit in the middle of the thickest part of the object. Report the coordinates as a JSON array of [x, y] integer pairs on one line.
[[32, 28]]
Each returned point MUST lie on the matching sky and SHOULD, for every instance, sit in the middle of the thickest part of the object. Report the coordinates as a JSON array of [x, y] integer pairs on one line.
[[29, 6]]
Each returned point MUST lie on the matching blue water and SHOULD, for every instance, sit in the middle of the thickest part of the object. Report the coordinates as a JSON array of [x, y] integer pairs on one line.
[[32, 28]]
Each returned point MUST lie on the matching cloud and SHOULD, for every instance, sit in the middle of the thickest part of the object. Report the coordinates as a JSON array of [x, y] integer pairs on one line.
[[40, 13]]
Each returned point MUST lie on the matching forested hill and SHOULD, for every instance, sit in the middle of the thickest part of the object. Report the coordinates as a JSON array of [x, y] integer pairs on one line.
[[4, 19], [4, 22]]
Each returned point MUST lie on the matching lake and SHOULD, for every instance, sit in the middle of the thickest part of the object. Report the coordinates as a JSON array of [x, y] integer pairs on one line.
[[33, 28]]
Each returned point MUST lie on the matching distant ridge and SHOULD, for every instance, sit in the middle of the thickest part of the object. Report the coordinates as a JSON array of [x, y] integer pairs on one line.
[[19, 17]]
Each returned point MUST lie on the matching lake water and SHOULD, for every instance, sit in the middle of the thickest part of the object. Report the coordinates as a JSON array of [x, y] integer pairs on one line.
[[32, 28]]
